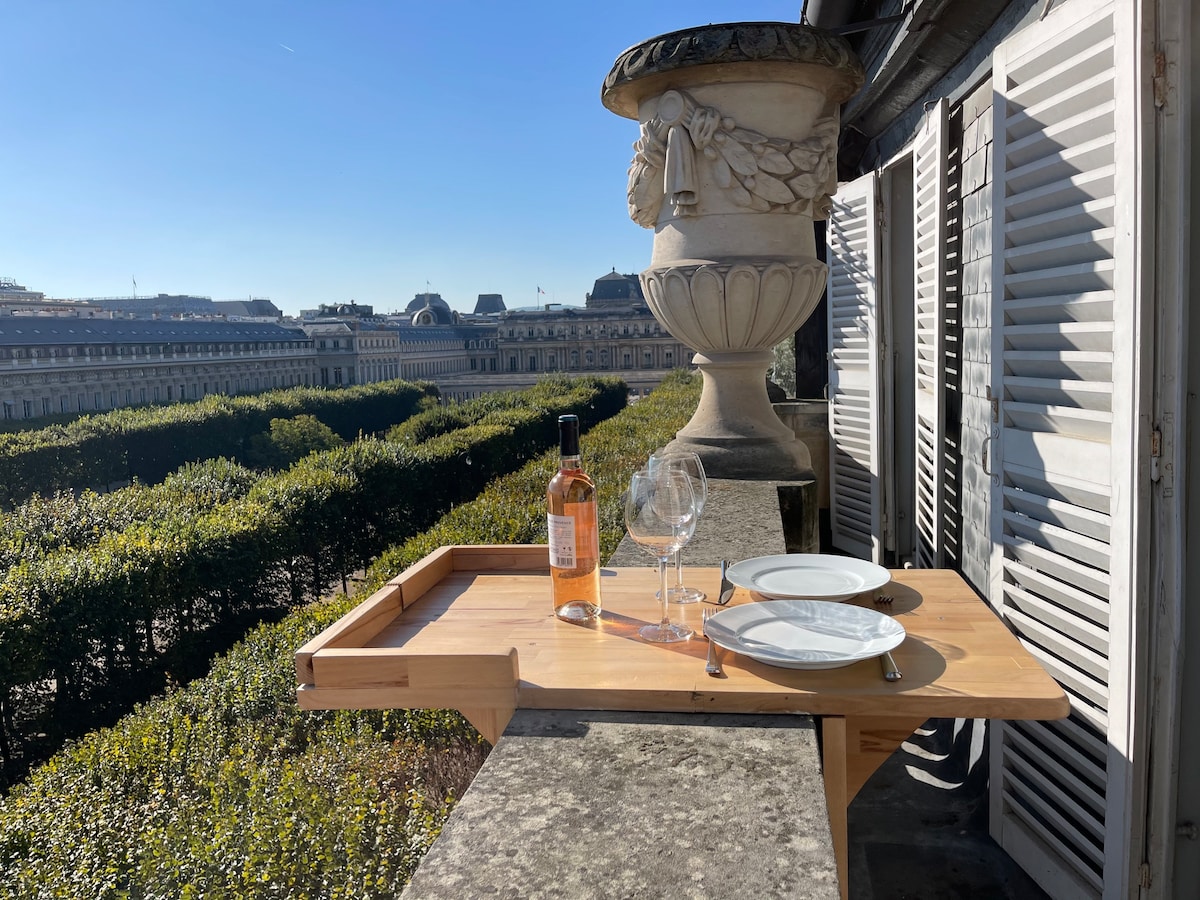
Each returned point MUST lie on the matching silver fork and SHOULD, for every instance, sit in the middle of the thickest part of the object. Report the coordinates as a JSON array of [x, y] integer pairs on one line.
[[713, 665]]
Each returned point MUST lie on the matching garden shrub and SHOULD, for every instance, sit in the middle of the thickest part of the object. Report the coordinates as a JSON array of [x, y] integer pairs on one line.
[[225, 788], [147, 443], [94, 612]]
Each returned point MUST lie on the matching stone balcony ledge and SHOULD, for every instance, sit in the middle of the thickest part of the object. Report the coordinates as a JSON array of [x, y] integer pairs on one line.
[[623, 804]]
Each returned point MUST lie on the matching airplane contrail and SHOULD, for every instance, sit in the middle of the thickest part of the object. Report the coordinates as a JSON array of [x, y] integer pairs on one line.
[[287, 48]]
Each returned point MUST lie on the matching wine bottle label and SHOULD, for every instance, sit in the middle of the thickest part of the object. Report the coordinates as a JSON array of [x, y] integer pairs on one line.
[[572, 535], [562, 540]]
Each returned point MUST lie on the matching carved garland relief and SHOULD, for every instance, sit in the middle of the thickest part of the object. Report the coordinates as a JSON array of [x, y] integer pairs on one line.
[[757, 173]]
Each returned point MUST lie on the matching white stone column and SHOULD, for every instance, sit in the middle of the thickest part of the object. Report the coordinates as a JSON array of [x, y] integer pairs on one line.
[[736, 158]]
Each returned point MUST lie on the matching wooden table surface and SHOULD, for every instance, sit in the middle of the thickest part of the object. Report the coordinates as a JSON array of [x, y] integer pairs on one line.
[[471, 628]]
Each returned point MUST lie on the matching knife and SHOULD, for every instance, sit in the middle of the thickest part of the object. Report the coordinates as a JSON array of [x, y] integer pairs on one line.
[[726, 586]]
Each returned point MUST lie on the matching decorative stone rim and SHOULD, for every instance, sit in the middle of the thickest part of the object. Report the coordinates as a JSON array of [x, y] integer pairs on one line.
[[732, 42]]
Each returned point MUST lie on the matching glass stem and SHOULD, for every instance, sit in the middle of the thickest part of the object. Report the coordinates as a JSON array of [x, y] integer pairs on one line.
[[662, 580], [679, 571]]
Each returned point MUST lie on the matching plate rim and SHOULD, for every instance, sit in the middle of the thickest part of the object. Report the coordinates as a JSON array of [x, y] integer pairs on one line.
[[737, 578], [781, 660]]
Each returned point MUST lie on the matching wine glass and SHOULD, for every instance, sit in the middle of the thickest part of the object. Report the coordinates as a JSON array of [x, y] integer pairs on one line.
[[660, 514], [690, 464]]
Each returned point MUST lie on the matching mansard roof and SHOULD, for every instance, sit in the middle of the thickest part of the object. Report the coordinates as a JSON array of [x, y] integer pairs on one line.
[[37, 330]]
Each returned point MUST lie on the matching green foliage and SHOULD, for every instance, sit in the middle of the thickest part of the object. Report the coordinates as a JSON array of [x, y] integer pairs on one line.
[[227, 789], [512, 510], [146, 443], [288, 440], [90, 603]]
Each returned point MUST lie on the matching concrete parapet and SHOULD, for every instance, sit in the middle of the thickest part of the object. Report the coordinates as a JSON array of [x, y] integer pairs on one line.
[[614, 804]]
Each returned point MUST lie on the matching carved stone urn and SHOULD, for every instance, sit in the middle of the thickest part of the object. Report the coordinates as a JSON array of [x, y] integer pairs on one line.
[[737, 156]]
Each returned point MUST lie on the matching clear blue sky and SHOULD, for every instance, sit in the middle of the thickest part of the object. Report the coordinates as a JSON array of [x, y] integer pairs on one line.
[[322, 151]]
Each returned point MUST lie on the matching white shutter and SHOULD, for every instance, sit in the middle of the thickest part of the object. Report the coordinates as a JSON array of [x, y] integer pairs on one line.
[[929, 211], [1068, 503], [854, 386]]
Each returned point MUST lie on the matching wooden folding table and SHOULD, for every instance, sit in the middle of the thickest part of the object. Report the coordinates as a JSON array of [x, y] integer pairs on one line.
[[471, 628]]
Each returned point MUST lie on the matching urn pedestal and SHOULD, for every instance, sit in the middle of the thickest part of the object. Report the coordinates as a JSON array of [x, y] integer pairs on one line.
[[736, 158]]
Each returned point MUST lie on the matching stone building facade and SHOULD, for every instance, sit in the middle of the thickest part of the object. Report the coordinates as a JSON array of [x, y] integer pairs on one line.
[[51, 364]]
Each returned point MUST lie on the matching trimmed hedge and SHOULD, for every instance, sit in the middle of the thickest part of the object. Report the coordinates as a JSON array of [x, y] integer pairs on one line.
[[147, 443], [94, 611], [227, 789]]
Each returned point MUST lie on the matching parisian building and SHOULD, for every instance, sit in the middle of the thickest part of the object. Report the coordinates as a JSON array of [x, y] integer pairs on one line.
[[72, 356], [67, 364]]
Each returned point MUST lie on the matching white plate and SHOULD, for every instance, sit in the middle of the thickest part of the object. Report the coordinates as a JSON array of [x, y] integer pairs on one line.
[[805, 634], [808, 576]]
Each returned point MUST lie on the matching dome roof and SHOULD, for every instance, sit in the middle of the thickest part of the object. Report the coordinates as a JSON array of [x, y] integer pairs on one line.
[[430, 309]]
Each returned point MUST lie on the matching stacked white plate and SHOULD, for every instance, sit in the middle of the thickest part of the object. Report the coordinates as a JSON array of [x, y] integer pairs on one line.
[[808, 576]]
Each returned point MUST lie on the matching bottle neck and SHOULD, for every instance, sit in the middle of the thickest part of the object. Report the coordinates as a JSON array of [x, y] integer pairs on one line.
[[570, 463]]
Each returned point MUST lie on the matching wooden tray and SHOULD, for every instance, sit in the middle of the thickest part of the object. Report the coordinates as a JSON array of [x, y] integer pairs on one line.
[[471, 628]]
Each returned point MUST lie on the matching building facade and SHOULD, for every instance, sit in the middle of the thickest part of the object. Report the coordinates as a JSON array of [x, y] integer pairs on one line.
[[613, 333], [54, 364]]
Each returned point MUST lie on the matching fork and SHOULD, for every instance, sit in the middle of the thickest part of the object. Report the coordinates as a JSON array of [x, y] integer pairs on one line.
[[713, 665]]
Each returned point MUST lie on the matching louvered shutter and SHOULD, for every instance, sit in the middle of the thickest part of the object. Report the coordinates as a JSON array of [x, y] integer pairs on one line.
[[1067, 504], [854, 387], [929, 210]]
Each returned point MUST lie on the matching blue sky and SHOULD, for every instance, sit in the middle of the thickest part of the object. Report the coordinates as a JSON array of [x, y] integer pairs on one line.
[[322, 151]]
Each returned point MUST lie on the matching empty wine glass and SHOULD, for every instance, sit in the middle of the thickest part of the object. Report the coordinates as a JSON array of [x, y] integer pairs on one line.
[[660, 514], [689, 463]]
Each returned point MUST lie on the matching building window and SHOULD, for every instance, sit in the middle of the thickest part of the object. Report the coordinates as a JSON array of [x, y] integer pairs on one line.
[[625, 361], [512, 364], [574, 359], [8, 409], [337, 374], [648, 360], [27, 408], [45, 406], [97, 401], [532, 363]]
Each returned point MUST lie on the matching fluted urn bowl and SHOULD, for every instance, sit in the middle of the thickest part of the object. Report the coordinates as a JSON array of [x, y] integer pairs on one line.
[[734, 306]]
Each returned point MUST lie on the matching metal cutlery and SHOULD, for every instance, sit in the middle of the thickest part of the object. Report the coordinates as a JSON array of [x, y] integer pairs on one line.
[[712, 665], [726, 592], [891, 672]]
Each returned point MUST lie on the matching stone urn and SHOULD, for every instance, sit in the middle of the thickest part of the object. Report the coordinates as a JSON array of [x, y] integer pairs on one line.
[[736, 158]]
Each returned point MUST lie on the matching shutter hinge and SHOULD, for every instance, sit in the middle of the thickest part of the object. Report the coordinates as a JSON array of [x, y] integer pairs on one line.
[[1144, 877], [1160, 80], [995, 403], [1155, 453]]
